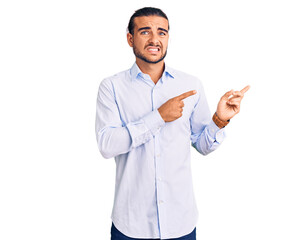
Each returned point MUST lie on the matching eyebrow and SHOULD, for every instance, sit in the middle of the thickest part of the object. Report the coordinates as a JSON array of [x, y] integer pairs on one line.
[[162, 29], [148, 28]]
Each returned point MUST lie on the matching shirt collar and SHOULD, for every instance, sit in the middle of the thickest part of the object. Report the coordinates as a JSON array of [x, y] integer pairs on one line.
[[136, 72], [169, 71]]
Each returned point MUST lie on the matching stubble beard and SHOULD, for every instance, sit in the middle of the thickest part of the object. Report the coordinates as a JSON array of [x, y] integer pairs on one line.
[[141, 56]]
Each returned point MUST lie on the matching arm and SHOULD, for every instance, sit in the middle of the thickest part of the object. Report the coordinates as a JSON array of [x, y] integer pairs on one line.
[[206, 136], [115, 137]]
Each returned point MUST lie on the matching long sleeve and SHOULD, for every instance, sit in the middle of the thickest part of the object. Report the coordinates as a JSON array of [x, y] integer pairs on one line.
[[205, 134], [115, 137]]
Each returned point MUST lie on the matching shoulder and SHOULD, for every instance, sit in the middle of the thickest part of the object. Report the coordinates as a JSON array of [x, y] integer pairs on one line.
[[184, 77], [115, 79]]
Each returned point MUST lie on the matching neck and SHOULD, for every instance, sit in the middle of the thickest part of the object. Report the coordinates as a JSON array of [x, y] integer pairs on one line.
[[154, 70]]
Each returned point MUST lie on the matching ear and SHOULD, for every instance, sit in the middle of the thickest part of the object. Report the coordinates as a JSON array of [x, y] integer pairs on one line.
[[130, 39]]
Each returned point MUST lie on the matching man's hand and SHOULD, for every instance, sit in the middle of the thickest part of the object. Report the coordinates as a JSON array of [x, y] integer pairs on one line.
[[173, 108], [229, 104]]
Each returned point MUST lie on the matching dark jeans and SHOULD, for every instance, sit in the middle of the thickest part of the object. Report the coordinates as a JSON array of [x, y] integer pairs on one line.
[[117, 235]]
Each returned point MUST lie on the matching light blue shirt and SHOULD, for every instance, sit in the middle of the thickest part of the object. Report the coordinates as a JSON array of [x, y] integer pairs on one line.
[[154, 195]]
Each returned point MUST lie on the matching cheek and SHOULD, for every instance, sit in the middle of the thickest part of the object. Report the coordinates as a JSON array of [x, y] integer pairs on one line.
[[165, 42], [139, 43]]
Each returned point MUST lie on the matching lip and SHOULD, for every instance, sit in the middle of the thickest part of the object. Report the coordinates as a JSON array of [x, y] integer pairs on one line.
[[153, 50]]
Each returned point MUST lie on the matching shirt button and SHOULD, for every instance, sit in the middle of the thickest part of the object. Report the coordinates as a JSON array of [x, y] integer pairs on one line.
[[157, 155], [160, 201], [159, 179]]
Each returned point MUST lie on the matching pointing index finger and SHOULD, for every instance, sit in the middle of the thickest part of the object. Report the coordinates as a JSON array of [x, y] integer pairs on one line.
[[186, 94], [245, 89]]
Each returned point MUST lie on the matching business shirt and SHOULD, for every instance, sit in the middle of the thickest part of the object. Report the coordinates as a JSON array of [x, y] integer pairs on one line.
[[154, 195]]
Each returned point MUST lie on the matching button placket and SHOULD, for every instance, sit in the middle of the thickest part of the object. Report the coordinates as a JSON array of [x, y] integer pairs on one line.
[[158, 174]]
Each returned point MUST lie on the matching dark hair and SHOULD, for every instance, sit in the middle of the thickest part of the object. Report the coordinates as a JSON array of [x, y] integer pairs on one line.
[[146, 11]]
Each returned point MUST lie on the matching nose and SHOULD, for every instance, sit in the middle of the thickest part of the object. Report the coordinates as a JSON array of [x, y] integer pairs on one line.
[[154, 39]]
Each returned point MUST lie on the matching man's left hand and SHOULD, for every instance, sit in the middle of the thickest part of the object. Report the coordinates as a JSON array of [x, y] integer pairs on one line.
[[229, 104]]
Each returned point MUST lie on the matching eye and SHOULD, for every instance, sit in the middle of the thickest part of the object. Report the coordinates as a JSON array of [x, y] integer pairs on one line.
[[144, 32], [162, 33]]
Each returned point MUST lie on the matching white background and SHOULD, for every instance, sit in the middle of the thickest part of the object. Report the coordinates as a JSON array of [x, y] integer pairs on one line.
[[54, 184]]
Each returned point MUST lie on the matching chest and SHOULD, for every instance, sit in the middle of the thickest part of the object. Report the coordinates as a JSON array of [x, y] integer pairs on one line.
[[137, 99]]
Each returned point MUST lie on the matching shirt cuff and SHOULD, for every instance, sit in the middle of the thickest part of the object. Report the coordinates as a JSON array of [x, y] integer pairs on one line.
[[218, 122], [154, 122], [216, 133]]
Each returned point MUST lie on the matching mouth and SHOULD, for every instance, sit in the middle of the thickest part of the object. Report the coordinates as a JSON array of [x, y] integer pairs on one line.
[[153, 50]]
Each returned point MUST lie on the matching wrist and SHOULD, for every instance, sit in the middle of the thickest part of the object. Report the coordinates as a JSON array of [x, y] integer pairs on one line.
[[219, 122], [161, 114]]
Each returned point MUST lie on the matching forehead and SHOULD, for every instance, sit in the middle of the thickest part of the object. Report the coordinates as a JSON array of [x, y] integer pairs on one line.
[[151, 21]]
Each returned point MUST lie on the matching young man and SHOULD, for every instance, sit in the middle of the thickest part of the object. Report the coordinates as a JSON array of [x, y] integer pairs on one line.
[[147, 118]]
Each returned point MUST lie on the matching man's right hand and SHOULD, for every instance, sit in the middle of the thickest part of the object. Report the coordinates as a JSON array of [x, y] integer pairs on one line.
[[173, 108]]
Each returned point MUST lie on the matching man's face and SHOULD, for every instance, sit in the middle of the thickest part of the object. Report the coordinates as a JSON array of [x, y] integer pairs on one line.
[[150, 38]]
